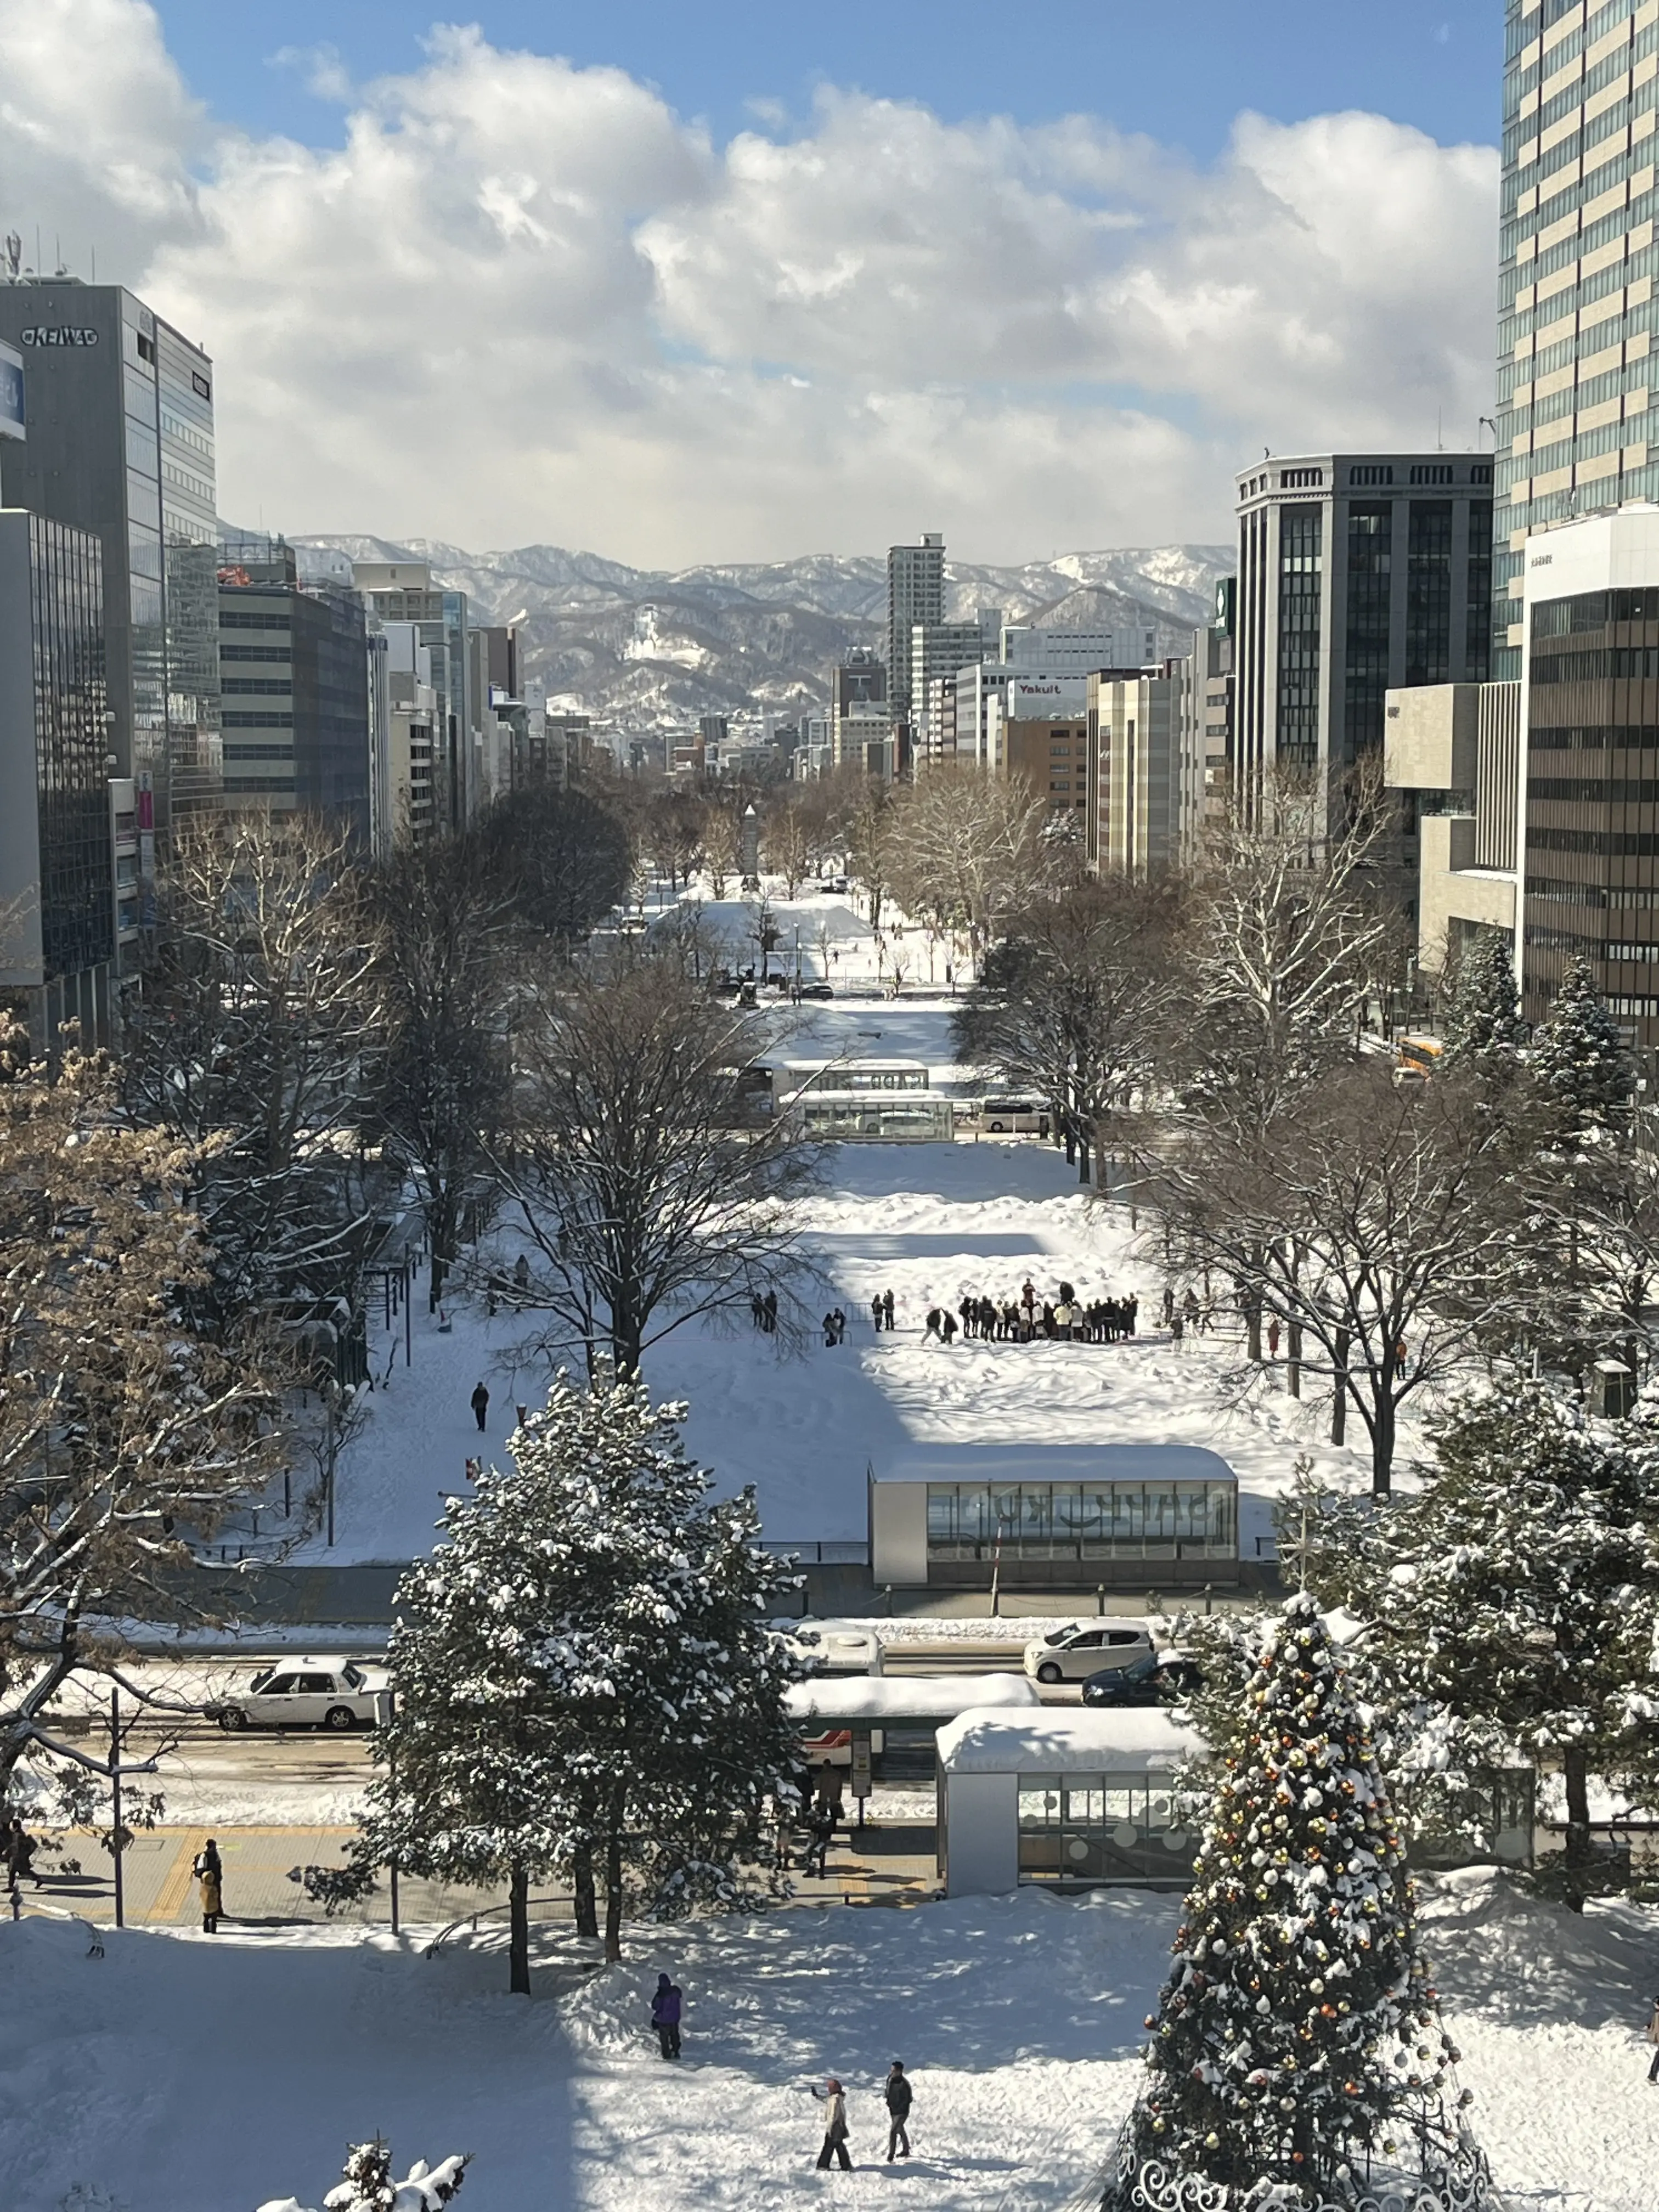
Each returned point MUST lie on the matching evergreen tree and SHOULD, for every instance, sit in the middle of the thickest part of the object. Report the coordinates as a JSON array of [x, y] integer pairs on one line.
[[1580, 1067], [369, 2186], [1297, 2034], [1483, 1028], [1520, 1585], [586, 1684]]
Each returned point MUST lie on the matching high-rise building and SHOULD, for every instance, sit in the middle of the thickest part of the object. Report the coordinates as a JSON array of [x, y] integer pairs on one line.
[[1356, 573], [58, 891], [396, 592], [1026, 645], [119, 422], [937, 650], [1132, 755], [296, 678], [915, 593], [1576, 363], [1207, 726]]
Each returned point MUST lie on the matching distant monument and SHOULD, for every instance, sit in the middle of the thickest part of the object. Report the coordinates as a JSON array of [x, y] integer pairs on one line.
[[749, 833]]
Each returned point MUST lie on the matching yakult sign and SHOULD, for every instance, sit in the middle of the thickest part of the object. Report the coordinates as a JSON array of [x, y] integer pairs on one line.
[[1032, 698]]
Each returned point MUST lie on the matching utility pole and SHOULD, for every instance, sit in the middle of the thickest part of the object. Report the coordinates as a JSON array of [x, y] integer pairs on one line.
[[115, 1806]]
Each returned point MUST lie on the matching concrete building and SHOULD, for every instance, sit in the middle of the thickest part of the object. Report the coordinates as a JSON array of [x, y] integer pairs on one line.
[[1575, 361], [400, 592], [1454, 749], [915, 593], [1055, 651], [294, 674], [119, 441], [937, 651], [1589, 801], [1359, 573], [1205, 773], [407, 808], [1133, 742], [59, 891]]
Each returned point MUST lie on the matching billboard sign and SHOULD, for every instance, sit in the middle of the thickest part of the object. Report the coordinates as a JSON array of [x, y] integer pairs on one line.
[[12, 421], [1036, 698]]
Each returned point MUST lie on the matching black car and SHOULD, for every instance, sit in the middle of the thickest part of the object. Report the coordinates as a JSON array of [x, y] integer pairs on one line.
[[1169, 1682], [817, 991]]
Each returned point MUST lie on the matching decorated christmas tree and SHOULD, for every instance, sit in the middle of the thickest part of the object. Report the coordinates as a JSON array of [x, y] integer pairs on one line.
[[1297, 2054]]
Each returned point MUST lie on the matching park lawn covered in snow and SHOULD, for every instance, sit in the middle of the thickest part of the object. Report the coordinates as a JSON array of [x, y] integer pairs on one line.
[[931, 1222], [188, 2074]]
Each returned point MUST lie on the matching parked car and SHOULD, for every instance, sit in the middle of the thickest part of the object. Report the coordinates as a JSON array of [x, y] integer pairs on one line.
[[1088, 1647], [331, 1693], [832, 1647], [817, 991], [1167, 1681]]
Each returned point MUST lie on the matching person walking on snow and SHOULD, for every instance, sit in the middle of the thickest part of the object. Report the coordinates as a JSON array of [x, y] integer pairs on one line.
[[834, 2124], [1653, 2038], [210, 1879], [899, 2112], [933, 1328], [875, 1312], [480, 1404], [665, 2017], [887, 1306], [18, 1852], [947, 1321]]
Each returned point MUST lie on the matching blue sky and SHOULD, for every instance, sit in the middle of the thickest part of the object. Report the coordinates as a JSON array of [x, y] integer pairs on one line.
[[1180, 71], [675, 284]]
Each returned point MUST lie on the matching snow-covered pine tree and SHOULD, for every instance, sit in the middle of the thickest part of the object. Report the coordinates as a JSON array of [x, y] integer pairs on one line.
[[1298, 2038], [1580, 1067], [585, 1683], [1483, 1028]]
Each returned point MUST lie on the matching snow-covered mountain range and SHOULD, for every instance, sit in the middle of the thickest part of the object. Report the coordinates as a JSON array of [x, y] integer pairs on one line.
[[650, 649]]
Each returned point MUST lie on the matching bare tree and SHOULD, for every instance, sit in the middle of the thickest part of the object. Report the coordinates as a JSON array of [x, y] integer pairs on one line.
[[676, 823], [251, 1045], [123, 1425], [971, 848], [1076, 1004], [653, 1189], [1287, 931], [561, 856], [722, 847], [786, 840], [440, 1077], [1377, 1221], [868, 824]]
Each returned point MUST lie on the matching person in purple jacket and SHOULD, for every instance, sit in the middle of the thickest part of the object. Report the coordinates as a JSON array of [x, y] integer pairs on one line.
[[666, 2016]]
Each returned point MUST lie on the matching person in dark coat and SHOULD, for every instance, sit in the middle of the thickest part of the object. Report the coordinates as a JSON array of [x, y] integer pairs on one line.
[[19, 1855], [835, 2127], [947, 1322], [820, 1834], [875, 1311], [899, 2112], [211, 1881], [666, 2016], [887, 1306], [480, 1404], [1653, 2038]]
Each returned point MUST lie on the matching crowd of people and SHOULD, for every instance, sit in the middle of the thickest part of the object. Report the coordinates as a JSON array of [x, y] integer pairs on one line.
[[1027, 1319]]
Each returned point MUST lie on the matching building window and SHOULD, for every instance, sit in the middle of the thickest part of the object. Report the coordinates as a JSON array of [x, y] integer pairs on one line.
[[1370, 567], [1371, 473], [1431, 472], [1300, 546], [1301, 479], [1428, 593]]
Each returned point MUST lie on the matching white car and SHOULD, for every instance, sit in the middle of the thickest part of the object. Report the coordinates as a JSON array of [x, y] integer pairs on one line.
[[331, 1693], [1089, 1647]]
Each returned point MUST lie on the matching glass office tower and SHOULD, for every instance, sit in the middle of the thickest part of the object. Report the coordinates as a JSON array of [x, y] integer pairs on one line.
[[120, 441], [1575, 361]]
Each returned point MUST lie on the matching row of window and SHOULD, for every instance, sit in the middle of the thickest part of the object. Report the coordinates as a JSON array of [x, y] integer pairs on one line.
[[1595, 664], [1593, 791], [1565, 892], [1593, 738]]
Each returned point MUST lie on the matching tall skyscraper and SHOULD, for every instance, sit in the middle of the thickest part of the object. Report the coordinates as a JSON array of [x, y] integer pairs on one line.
[[398, 591], [118, 440], [57, 879], [915, 593], [1576, 363], [295, 673], [1356, 571]]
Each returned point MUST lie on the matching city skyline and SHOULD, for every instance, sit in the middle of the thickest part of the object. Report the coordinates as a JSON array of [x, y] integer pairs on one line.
[[500, 298]]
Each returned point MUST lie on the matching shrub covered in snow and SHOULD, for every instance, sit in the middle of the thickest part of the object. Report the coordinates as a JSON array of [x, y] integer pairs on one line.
[[369, 2186]]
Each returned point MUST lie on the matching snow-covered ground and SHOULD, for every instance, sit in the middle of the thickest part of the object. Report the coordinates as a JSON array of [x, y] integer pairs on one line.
[[187, 2073], [931, 1222]]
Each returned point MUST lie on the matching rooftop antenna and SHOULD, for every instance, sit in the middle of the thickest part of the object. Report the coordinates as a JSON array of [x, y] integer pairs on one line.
[[57, 255], [14, 251], [94, 264], [1439, 430]]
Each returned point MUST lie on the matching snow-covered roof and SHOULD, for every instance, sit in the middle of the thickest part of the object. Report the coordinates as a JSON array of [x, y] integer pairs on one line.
[[1045, 1462], [879, 1697], [1070, 1741]]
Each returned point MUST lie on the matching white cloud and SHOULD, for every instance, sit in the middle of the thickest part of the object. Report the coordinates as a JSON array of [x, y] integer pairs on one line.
[[523, 300]]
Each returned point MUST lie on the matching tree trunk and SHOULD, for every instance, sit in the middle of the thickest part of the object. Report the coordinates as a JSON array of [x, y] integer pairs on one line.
[[1383, 1432], [1085, 1172], [1252, 1328], [1340, 1394], [519, 1938], [1575, 1774], [1293, 1371], [585, 1903], [613, 1896]]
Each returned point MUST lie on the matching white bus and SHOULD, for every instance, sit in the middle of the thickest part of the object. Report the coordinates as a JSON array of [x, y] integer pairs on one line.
[[796, 1076], [875, 1117]]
